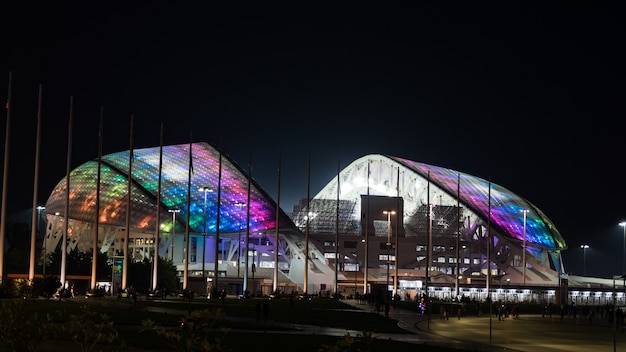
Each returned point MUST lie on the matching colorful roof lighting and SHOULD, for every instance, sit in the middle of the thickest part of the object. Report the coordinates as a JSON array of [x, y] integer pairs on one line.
[[175, 182]]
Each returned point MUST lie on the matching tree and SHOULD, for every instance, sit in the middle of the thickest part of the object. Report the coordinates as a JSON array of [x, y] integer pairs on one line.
[[140, 275], [168, 278]]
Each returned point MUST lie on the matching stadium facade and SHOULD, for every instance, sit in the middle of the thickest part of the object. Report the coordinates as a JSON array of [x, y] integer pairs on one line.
[[384, 223]]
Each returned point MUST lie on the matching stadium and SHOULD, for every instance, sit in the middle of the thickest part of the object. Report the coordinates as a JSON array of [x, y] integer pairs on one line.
[[383, 225]]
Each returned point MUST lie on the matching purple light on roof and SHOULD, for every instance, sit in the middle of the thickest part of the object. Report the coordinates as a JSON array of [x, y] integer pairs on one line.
[[506, 207]]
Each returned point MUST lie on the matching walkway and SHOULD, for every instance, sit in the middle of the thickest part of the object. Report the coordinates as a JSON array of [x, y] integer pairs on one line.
[[529, 333]]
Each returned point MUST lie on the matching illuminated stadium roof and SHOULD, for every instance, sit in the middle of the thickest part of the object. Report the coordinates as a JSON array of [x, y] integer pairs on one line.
[[506, 207], [175, 182], [381, 175]]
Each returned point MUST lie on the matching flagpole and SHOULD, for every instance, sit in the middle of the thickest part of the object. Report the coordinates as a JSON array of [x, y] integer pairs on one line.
[[367, 227], [128, 200], [306, 245], [489, 300], [245, 274], [458, 234], [34, 227], [428, 247], [428, 236], [217, 225], [157, 234], [5, 178], [186, 251], [67, 196], [275, 281], [337, 233], [96, 235], [398, 214]]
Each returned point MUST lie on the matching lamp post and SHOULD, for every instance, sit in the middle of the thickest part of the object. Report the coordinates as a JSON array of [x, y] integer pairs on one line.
[[240, 205], [43, 246], [623, 224], [388, 213], [584, 247], [173, 211], [364, 241], [205, 190], [524, 248]]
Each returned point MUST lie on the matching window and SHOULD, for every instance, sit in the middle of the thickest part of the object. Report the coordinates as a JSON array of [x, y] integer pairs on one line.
[[383, 245], [383, 257], [349, 244]]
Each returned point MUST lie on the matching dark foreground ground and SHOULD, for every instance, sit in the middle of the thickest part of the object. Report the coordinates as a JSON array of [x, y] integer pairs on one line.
[[332, 325]]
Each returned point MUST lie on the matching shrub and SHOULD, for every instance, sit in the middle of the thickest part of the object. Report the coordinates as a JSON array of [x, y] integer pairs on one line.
[[197, 332], [20, 330]]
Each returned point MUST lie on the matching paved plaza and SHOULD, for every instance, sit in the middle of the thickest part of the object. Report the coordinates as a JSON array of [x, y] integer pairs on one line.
[[527, 333]]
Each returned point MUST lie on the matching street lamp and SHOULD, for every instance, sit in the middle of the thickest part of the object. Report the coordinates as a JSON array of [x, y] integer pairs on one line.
[[524, 247], [623, 224], [388, 213], [205, 190], [584, 247], [240, 205], [173, 211], [364, 241]]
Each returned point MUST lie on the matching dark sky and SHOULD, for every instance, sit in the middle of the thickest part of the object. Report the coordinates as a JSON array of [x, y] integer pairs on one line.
[[529, 95]]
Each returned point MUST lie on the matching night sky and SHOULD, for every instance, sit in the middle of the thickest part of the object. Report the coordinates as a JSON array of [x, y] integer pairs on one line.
[[528, 95]]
